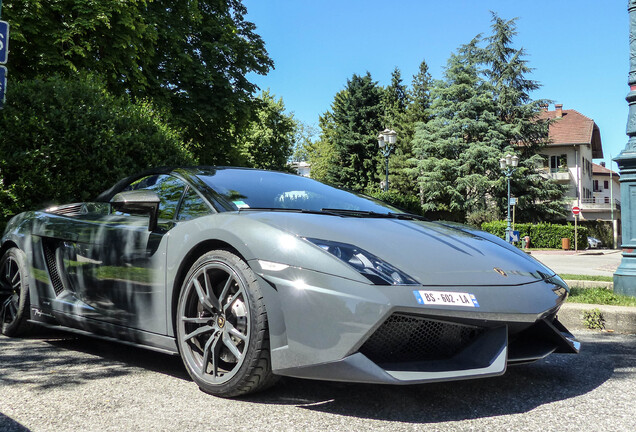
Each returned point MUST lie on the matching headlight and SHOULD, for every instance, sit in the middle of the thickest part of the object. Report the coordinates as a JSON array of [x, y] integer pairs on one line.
[[370, 266]]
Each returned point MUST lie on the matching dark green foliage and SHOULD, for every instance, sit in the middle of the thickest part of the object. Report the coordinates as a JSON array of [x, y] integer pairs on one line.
[[204, 52], [351, 129], [458, 150], [542, 235], [322, 153], [68, 140], [410, 204], [191, 58], [420, 96], [112, 38], [268, 140], [395, 101]]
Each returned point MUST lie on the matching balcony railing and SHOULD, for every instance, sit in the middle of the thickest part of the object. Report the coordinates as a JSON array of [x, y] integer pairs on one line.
[[598, 203], [559, 175]]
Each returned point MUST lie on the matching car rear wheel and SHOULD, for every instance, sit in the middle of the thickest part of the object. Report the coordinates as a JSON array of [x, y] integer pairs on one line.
[[222, 327], [14, 293]]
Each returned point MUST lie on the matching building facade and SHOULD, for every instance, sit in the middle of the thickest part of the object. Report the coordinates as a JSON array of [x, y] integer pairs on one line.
[[606, 191], [575, 140]]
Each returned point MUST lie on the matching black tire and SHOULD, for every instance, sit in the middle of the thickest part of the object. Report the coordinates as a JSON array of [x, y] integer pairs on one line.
[[221, 325], [14, 293]]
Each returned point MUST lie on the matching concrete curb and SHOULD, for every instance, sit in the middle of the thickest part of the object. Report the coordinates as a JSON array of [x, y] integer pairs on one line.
[[590, 284], [621, 319]]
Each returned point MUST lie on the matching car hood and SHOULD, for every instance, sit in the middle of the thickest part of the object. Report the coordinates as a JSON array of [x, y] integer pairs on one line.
[[433, 253]]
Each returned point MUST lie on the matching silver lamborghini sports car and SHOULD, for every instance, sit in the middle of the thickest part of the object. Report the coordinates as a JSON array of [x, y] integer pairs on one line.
[[249, 275]]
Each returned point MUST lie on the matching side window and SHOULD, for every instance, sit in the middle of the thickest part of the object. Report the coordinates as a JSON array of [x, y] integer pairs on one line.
[[168, 188], [192, 206]]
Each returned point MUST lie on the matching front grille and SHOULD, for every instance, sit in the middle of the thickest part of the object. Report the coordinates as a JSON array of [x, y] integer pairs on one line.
[[49, 255], [408, 338]]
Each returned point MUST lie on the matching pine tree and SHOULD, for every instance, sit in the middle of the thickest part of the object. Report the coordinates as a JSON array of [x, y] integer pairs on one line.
[[524, 133], [458, 149], [420, 96], [356, 113]]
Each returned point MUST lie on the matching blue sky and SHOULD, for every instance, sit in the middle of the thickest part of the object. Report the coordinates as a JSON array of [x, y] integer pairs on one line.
[[579, 49]]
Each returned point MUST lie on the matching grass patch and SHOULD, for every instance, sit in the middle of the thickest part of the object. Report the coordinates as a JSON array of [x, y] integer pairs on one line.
[[600, 296], [587, 277]]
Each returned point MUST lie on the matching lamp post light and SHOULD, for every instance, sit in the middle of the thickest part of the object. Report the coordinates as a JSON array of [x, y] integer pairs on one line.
[[386, 142], [508, 165]]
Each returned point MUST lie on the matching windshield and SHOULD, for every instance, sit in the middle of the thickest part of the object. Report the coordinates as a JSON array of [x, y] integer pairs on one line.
[[246, 188]]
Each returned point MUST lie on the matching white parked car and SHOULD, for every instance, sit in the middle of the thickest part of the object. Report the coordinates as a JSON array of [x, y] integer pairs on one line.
[[594, 243]]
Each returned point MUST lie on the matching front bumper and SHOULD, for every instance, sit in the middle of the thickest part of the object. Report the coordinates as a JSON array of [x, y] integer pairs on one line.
[[326, 327]]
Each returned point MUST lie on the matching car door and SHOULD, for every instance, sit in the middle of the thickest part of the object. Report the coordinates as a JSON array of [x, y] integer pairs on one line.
[[114, 272]]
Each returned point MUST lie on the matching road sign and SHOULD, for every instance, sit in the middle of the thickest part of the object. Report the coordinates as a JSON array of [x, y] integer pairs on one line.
[[576, 210], [4, 41], [513, 201], [3, 84]]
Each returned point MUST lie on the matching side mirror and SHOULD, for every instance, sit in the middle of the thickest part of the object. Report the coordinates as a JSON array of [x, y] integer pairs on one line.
[[140, 201]]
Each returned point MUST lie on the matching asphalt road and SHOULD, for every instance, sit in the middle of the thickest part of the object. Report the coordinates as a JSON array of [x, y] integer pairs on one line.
[[598, 263], [62, 383]]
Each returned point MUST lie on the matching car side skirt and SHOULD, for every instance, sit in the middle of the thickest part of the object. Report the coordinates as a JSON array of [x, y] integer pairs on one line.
[[105, 331]]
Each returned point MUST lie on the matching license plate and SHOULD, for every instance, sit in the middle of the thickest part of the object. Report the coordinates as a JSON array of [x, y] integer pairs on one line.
[[446, 298]]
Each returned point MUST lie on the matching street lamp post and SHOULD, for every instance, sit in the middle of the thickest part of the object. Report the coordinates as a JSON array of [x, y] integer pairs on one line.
[[386, 142], [625, 275], [509, 165]]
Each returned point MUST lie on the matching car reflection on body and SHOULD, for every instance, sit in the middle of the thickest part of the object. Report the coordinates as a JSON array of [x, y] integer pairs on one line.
[[249, 275]]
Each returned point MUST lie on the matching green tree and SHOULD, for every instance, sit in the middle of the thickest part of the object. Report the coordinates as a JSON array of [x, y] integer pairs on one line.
[[420, 96], [269, 137], [418, 111], [457, 152], [357, 119], [190, 57], [108, 37], [525, 134], [67, 140], [303, 141], [205, 51], [322, 153]]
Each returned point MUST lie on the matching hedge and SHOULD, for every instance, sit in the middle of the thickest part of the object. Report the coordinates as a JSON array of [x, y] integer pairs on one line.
[[66, 140], [542, 235], [409, 204]]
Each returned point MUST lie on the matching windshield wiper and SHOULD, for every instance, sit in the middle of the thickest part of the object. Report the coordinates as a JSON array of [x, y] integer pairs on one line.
[[291, 210], [357, 213], [409, 216], [372, 214], [340, 212]]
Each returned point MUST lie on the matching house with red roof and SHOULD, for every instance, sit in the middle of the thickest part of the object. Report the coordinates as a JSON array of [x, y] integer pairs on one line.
[[574, 140]]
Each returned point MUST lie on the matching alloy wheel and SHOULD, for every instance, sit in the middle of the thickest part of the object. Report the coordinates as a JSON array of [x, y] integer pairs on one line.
[[214, 322], [10, 286]]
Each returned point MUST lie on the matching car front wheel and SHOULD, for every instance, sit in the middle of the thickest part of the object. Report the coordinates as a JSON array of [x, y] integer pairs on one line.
[[14, 293], [222, 327]]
